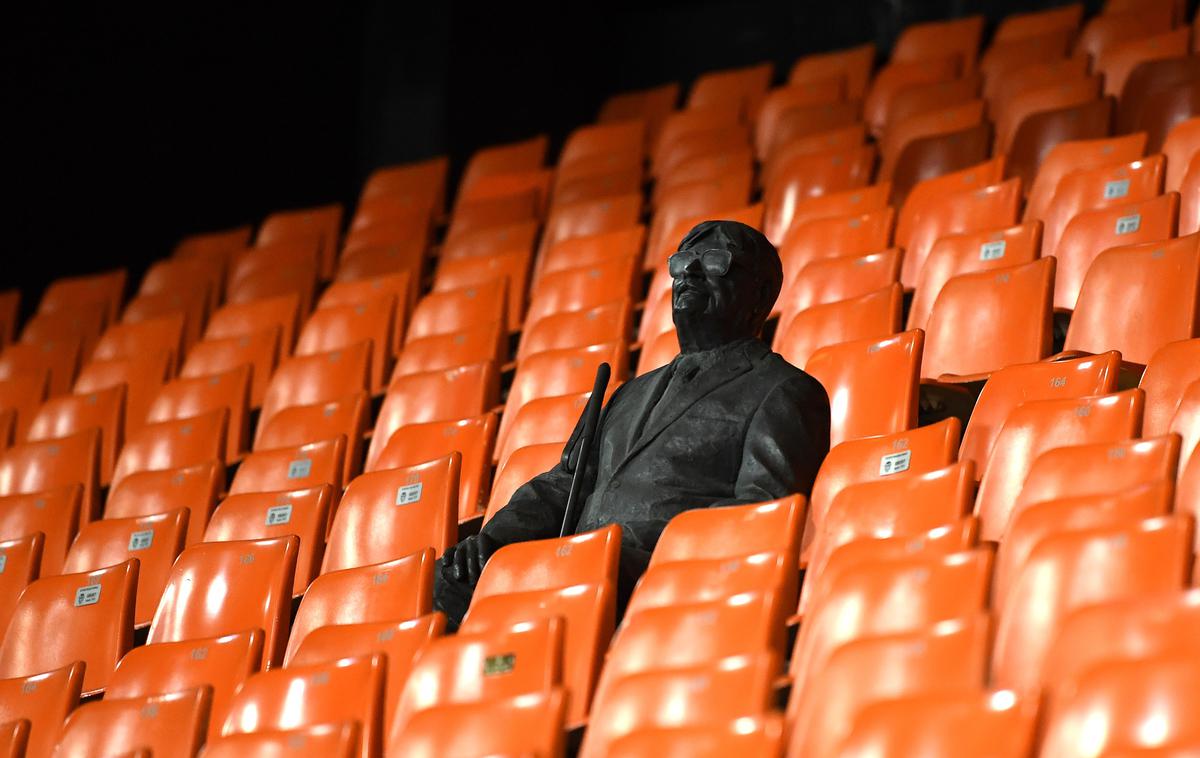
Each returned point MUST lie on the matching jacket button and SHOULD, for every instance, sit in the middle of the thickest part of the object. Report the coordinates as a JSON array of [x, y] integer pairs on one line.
[[615, 486]]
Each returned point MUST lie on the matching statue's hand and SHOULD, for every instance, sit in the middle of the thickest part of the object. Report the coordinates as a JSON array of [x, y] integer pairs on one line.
[[470, 556]]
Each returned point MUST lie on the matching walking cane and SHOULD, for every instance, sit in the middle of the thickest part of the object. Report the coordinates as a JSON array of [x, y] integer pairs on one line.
[[580, 446]]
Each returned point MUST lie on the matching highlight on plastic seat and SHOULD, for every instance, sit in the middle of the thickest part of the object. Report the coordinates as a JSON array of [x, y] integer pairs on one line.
[[185, 398], [872, 316], [854, 64], [155, 541], [1181, 144], [146, 493], [581, 288], [508, 661], [531, 723], [927, 193], [22, 559], [124, 340], [23, 393], [69, 291], [54, 513], [861, 404], [343, 326], [59, 359], [282, 268], [304, 513], [896, 76], [1007, 388], [244, 319], [69, 414], [985, 321], [43, 700], [92, 618], [218, 588], [322, 222], [829, 280], [337, 740], [1118, 561], [172, 725], [1155, 285], [1167, 375], [440, 352], [544, 420], [521, 465], [218, 663], [457, 310], [191, 304], [512, 266], [83, 323], [611, 322], [349, 689], [310, 465], [54, 464], [300, 425], [590, 217], [143, 375], [312, 379], [173, 444]]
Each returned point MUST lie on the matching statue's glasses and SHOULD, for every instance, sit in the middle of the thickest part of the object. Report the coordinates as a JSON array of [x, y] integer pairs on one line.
[[715, 262]]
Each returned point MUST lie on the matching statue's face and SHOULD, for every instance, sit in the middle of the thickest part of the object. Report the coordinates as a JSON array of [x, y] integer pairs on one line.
[[707, 280]]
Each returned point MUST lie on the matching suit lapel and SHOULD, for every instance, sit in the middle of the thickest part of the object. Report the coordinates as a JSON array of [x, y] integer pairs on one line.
[[735, 364], [638, 412]]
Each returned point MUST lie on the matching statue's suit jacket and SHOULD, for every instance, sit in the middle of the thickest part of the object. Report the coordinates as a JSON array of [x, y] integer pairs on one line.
[[749, 428]]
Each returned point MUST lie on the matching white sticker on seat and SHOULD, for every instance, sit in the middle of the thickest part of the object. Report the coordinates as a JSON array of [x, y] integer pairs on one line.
[[1127, 224], [89, 595], [991, 251], [299, 468], [409, 493], [3, 562], [1115, 189], [141, 540], [894, 463], [278, 515]]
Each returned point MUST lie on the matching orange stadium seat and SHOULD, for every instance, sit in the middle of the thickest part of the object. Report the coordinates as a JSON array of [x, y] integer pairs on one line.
[[1117, 62], [835, 237], [263, 515], [22, 564], [1039, 133], [1060, 87], [255, 581], [1170, 370], [400, 286], [349, 689], [23, 393], [143, 375], [781, 99], [310, 465], [856, 202], [502, 187], [146, 493], [861, 404], [219, 663], [434, 396], [543, 420], [424, 180], [440, 352], [244, 319], [59, 359], [590, 217], [92, 618], [400, 588], [926, 194], [521, 465], [658, 351], [191, 304], [69, 292], [229, 390], [218, 245], [806, 175], [901, 133], [610, 322], [55, 463], [1012, 385], [53, 513], [155, 541], [323, 223], [931, 98], [43, 700], [342, 327], [985, 321], [513, 267], [313, 379], [525, 155], [471, 437], [936, 155], [83, 322], [172, 725], [899, 75], [874, 315], [935, 38], [173, 444], [527, 724], [652, 105], [457, 310], [829, 280], [177, 276], [1183, 141], [852, 64], [303, 424], [337, 740], [66, 415], [1154, 285]]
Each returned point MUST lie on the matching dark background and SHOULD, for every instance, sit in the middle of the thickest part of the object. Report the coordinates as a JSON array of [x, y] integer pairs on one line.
[[127, 129]]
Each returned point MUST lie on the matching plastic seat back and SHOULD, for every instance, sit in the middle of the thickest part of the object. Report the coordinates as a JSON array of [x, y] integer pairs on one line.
[[66, 415], [1167, 375], [230, 390], [1039, 134], [154, 540], [804, 175], [290, 468], [92, 618], [349, 689], [43, 700], [854, 64], [172, 725], [732, 531], [312, 379], [898, 75], [1068, 570], [830, 280], [68, 291], [1010, 386], [434, 396], [440, 352], [1154, 284], [124, 340], [220, 663], [1181, 144], [927, 193], [59, 359], [218, 588], [590, 217], [173, 444], [52, 513], [300, 425], [985, 321], [243, 319], [1095, 189], [529, 724], [143, 375], [862, 405], [810, 240], [610, 322], [544, 420], [521, 465], [24, 393], [55, 464], [149, 492], [263, 515], [1040, 425], [343, 326], [340, 740], [323, 222], [22, 558], [872, 316], [582, 287]]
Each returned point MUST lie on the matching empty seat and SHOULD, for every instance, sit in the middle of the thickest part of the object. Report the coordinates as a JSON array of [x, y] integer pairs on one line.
[[1117, 561], [143, 375], [191, 305], [1013, 385], [1041, 132], [343, 327], [92, 618], [83, 322], [970, 723], [284, 266], [66, 415], [985, 321], [172, 725], [946, 657], [217, 244], [302, 424], [871, 316], [59, 359], [350, 689], [218, 588], [854, 64], [968, 253], [835, 236], [590, 217], [850, 203], [524, 155], [1181, 144], [813, 174], [521, 465], [23, 393], [304, 513], [610, 322], [934, 38], [155, 541], [173, 444], [935, 156], [1118, 61], [438, 352], [322, 222], [543, 420], [582, 287], [458, 310], [55, 464], [242, 319], [1155, 285], [904, 131], [834, 279], [338, 740], [528, 724], [53, 513], [1170, 370], [218, 663], [896, 76], [394, 512], [43, 700], [862, 405], [434, 396], [229, 390], [364, 258], [926, 194], [67, 292], [146, 493], [310, 465], [160, 334], [312, 379], [22, 558], [400, 286], [512, 267]]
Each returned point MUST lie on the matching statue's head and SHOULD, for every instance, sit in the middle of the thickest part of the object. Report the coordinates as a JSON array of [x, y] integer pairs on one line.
[[726, 277]]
